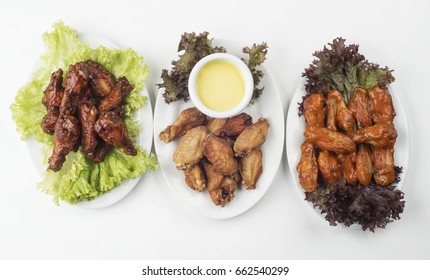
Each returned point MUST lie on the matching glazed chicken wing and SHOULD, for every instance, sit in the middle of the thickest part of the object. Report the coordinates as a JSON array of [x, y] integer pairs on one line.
[[347, 166], [49, 121], [101, 81], [359, 107], [308, 168], [215, 124], [190, 149], [313, 109], [363, 165], [112, 130], [52, 96], [101, 151], [195, 178], [329, 140], [344, 118], [235, 125], [87, 114], [381, 105], [252, 137], [328, 166], [187, 119], [75, 88], [66, 135], [251, 167], [378, 135], [115, 98], [383, 160], [332, 113], [219, 152]]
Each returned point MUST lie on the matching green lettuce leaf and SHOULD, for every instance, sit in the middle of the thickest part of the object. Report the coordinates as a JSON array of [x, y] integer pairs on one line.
[[80, 179]]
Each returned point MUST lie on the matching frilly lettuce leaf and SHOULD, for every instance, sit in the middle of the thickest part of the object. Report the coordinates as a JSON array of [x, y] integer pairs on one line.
[[81, 179]]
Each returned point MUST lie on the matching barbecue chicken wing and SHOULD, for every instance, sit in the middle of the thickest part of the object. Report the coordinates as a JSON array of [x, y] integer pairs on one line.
[[359, 107], [308, 168], [52, 96], [314, 110], [66, 135], [112, 130], [363, 165], [102, 81], [347, 166], [383, 161], [190, 149], [381, 105], [235, 125], [187, 119], [378, 135], [195, 178], [344, 118], [251, 138], [87, 114], [329, 140], [115, 98], [75, 88], [219, 152], [251, 167], [101, 151], [328, 166]]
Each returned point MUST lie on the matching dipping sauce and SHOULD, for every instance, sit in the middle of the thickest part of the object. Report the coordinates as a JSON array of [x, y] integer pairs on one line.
[[220, 85]]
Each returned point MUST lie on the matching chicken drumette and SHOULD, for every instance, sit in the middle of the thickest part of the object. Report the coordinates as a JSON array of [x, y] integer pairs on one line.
[[52, 96]]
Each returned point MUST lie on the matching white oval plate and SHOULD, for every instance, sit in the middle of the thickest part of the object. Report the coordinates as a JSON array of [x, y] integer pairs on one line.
[[296, 126], [268, 105], [144, 116]]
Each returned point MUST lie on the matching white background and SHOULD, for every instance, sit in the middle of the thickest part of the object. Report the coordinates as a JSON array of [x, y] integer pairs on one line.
[[151, 223]]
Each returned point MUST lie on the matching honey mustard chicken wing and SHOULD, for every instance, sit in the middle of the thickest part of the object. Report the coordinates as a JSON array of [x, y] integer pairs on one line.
[[187, 119], [66, 135], [364, 169], [190, 148], [378, 135], [115, 98], [219, 152], [112, 130], [383, 160], [101, 82], [347, 167], [381, 105], [344, 118], [308, 168], [251, 138], [195, 178], [235, 125], [314, 109], [52, 96], [359, 107], [88, 114], [329, 140], [75, 88], [328, 166], [251, 167]]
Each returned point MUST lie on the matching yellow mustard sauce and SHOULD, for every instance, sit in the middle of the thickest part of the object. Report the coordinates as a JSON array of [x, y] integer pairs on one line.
[[220, 85]]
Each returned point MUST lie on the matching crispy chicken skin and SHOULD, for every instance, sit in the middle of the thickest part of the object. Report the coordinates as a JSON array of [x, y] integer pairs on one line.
[[213, 176], [215, 124], [187, 119], [329, 140], [112, 130], [314, 109], [66, 135], [190, 149], [347, 167], [378, 135], [115, 98], [52, 96], [195, 178], [344, 118], [363, 165], [101, 82], [381, 105], [383, 160], [328, 166], [75, 88], [224, 193], [308, 168], [87, 114], [235, 125], [359, 107], [251, 167], [219, 152], [252, 137]]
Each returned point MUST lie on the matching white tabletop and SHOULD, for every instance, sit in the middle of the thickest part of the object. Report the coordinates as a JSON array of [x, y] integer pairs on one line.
[[151, 223]]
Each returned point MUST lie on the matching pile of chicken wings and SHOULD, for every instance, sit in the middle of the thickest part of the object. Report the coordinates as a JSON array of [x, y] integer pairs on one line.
[[218, 154], [355, 142], [86, 111]]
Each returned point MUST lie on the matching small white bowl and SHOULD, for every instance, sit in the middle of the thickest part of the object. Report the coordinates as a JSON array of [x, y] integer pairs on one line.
[[246, 74]]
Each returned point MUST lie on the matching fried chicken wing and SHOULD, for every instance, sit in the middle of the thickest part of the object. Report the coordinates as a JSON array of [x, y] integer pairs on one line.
[[328, 166], [66, 135], [378, 135], [347, 166], [87, 114], [101, 81], [313, 108], [251, 167], [308, 168], [112, 130], [344, 118], [195, 178], [190, 149], [187, 119], [219, 152], [115, 98], [329, 140], [235, 125], [252, 137], [213, 176], [75, 88], [224, 193], [364, 169], [383, 164], [215, 124], [359, 107], [381, 105]]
